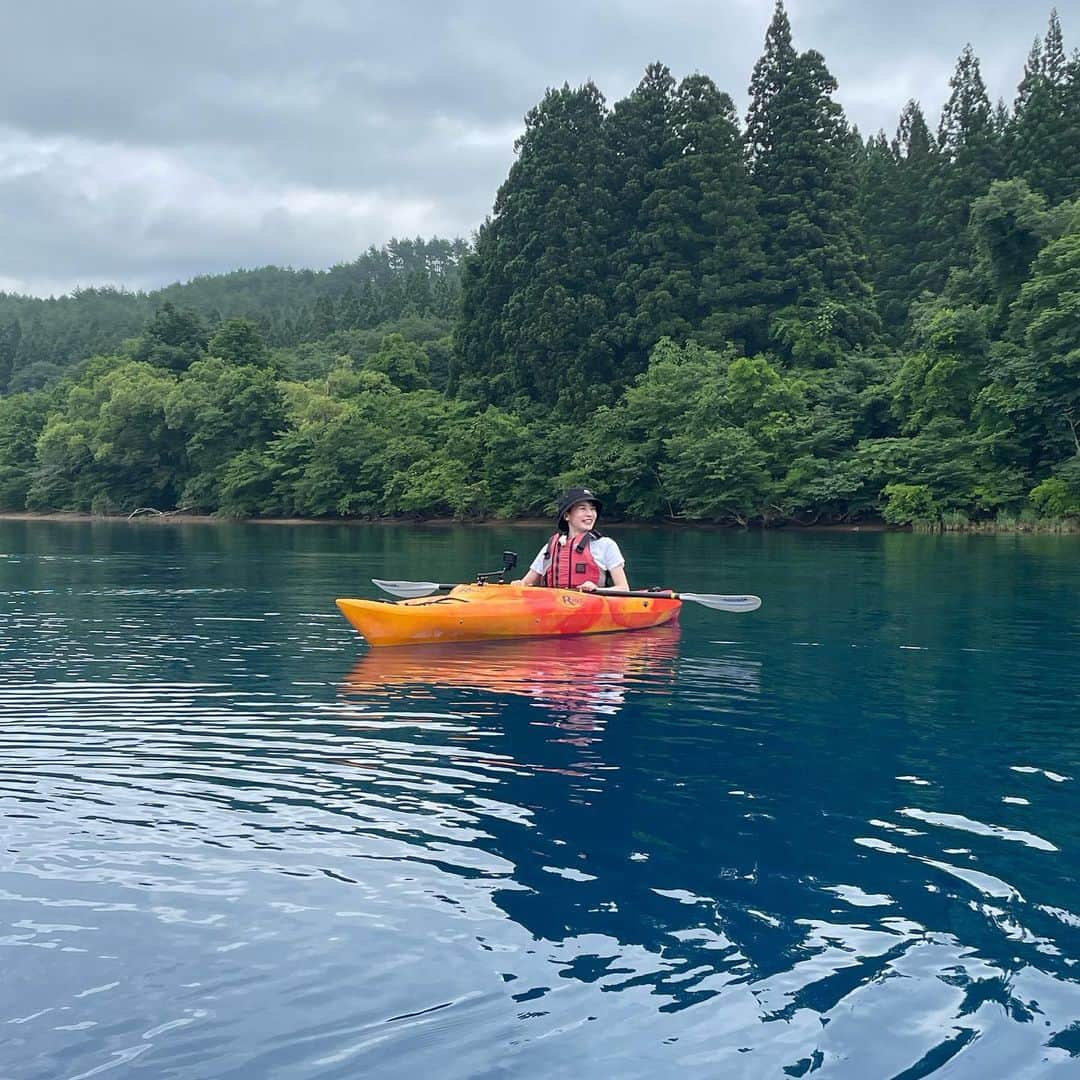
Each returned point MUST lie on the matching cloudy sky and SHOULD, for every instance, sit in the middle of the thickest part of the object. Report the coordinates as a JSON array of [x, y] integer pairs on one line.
[[143, 143]]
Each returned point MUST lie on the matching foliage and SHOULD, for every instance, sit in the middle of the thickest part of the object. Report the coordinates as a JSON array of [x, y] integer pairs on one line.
[[1035, 385], [536, 295], [405, 280], [110, 445], [804, 171], [906, 504], [404, 362], [775, 324], [894, 180], [238, 341], [1059, 495], [221, 410], [1009, 225], [1043, 135], [22, 417]]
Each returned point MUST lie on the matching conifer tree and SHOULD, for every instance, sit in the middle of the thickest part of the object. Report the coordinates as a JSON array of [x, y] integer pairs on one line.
[[694, 242], [445, 295], [1069, 146], [800, 153], [392, 302], [883, 226], [323, 317], [895, 196], [349, 310], [418, 291], [640, 139], [723, 216], [9, 347], [969, 160], [771, 76], [369, 314], [640, 143], [1040, 148], [535, 303]]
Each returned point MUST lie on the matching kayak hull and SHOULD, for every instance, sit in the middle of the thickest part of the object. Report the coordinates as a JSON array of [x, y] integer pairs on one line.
[[485, 612]]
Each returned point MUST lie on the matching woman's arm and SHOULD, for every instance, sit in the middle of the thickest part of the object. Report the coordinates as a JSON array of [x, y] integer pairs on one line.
[[535, 574]]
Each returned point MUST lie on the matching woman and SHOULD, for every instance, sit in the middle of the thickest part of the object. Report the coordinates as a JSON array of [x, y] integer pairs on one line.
[[577, 556]]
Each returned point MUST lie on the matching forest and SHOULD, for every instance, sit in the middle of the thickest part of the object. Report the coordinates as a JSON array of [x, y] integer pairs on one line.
[[765, 320]]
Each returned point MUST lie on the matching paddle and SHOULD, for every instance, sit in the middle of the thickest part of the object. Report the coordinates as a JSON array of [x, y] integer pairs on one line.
[[410, 590]]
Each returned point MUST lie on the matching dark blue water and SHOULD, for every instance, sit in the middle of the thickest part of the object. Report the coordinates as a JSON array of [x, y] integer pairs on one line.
[[838, 836]]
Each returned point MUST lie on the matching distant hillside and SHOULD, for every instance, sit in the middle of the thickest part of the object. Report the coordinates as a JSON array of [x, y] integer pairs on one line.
[[39, 338]]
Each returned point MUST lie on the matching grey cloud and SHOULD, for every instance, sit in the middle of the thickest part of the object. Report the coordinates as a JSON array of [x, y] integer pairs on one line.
[[145, 142]]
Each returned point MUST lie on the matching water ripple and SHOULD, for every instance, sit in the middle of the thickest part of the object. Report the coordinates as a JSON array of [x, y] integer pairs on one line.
[[234, 841]]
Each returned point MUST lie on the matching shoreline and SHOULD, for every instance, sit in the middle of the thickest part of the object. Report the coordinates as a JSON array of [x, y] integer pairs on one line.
[[80, 517], [1039, 528]]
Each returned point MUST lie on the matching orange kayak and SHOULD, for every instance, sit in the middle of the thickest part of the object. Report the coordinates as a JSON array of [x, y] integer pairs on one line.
[[482, 612]]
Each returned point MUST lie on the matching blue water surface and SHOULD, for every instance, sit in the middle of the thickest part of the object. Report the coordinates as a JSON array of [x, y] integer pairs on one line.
[[839, 836]]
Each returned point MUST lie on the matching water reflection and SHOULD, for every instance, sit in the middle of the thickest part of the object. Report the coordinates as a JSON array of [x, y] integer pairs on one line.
[[581, 679], [633, 855]]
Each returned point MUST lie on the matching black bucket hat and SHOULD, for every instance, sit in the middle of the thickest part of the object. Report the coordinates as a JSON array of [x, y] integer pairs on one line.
[[572, 497]]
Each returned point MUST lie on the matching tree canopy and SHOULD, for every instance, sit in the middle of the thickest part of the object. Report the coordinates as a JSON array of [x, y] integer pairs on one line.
[[775, 321]]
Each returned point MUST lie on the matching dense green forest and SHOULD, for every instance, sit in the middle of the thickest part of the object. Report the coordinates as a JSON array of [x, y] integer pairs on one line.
[[762, 322]]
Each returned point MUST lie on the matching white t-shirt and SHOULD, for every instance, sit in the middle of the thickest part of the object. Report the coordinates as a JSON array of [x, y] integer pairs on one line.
[[604, 550]]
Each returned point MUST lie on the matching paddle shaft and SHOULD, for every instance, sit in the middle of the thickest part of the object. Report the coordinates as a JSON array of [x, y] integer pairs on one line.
[[415, 589]]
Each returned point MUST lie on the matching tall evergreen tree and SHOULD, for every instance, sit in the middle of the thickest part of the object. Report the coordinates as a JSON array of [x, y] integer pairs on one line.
[[9, 348], [692, 240], [172, 339], [640, 142], [800, 153], [393, 300], [323, 317], [535, 305], [1070, 135], [418, 291], [969, 160], [895, 195], [445, 296], [734, 296], [1040, 148], [369, 312], [883, 226]]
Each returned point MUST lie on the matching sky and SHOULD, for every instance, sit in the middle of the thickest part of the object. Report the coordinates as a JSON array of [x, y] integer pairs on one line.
[[145, 143]]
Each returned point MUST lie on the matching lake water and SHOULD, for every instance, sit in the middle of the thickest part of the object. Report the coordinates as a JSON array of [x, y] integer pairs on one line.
[[839, 836]]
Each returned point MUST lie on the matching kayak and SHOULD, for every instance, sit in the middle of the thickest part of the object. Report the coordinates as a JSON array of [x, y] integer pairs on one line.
[[482, 612]]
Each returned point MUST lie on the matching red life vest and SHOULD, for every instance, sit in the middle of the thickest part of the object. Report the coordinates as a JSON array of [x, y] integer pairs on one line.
[[571, 564]]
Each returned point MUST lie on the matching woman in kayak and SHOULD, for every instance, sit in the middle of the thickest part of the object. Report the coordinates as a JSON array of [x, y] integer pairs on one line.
[[577, 556]]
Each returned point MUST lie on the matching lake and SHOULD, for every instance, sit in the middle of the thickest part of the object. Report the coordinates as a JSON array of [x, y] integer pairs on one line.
[[839, 836]]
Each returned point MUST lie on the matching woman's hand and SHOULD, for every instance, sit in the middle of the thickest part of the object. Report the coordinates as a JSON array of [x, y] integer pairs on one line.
[[588, 586]]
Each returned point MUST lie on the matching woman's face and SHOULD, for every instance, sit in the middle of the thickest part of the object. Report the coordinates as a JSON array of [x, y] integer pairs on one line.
[[581, 517]]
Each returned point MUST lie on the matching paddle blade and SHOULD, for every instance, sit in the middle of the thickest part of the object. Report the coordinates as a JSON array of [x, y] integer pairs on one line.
[[723, 603], [408, 590]]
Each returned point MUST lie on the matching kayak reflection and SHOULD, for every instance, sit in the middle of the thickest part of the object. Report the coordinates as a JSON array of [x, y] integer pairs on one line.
[[586, 675]]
